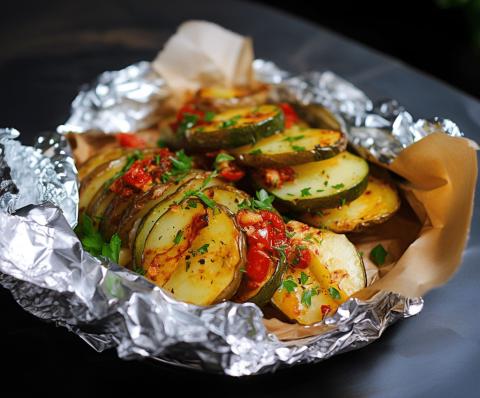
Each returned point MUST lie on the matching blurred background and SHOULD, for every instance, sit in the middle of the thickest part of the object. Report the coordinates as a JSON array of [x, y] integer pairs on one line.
[[439, 37]]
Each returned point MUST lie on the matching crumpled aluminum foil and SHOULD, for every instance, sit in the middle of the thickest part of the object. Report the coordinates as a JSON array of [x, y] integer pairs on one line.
[[47, 271]]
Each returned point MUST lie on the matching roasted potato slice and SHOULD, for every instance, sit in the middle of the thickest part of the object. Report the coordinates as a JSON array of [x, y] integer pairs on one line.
[[196, 253], [101, 158], [218, 98], [335, 271], [375, 206]]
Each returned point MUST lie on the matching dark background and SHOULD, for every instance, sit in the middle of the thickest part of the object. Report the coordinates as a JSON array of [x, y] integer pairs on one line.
[[48, 49]]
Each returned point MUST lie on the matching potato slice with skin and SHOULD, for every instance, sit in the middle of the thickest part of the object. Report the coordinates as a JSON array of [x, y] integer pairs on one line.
[[99, 204], [375, 206], [210, 271], [293, 146], [157, 211], [334, 273], [195, 253], [170, 237], [227, 196]]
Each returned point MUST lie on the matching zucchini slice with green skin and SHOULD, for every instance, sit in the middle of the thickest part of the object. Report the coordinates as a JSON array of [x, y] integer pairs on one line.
[[292, 147], [96, 180], [263, 293], [319, 117], [99, 159], [375, 206], [196, 253], [99, 204], [323, 184], [237, 127], [158, 210], [144, 203], [335, 271]]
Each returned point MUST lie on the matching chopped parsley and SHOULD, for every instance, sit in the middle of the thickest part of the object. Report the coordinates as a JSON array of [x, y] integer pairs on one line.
[[209, 116], [307, 296], [290, 234], [200, 195], [338, 186], [94, 243], [189, 120], [334, 293], [378, 255], [343, 201], [256, 152], [294, 138], [303, 278], [201, 250], [262, 202], [178, 237], [289, 285], [230, 122], [298, 148], [223, 157], [181, 165], [305, 192]]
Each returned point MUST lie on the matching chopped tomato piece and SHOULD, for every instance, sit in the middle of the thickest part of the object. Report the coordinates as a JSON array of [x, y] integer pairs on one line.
[[129, 140]]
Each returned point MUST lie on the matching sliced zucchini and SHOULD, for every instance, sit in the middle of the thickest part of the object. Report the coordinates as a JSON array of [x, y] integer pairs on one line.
[[237, 127], [158, 210], [293, 146], [221, 98], [143, 203], [96, 180], [262, 294], [335, 271], [319, 117], [196, 253], [375, 206], [323, 184], [99, 204], [99, 159]]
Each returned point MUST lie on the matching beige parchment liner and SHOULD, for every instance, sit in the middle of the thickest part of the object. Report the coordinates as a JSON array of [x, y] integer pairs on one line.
[[425, 239], [425, 245]]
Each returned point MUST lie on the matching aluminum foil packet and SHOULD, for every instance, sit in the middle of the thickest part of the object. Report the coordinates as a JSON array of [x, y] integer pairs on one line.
[[43, 264]]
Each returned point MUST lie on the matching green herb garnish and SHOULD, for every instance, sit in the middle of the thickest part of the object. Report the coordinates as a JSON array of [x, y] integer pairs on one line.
[[230, 122], [178, 237], [307, 296], [294, 138], [255, 152], [189, 120], [338, 186], [297, 148], [161, 143], [289, 285], [139, 270], [223, 157], [303, 278], [378, 255], [334, 293], [305, 192], [209, 116]]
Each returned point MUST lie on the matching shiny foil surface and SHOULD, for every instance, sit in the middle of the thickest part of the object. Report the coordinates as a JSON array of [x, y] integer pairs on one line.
[[43, 264]]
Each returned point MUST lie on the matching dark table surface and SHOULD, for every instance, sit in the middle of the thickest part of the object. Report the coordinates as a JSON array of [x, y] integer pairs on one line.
[[48, 50]]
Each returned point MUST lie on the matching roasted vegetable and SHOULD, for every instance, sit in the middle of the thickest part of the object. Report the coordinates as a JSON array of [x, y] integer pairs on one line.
[[236, 127], [99, 159], [144, 202], [227, 196], [319, 117], [157, 211], [323, 184], [221, 98], [293, 146], [333, 272], [99, 179], [376, 205], [266, 261], [195, 253]]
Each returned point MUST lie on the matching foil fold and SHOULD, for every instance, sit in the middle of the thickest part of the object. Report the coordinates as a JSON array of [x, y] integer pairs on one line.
[[49, 274]]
